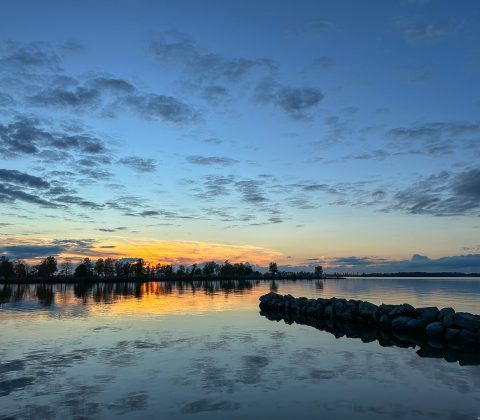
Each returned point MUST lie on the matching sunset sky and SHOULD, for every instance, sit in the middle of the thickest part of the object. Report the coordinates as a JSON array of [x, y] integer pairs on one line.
[[341, 133]]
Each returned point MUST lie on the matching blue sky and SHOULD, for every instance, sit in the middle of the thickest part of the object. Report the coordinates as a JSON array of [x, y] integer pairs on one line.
[[344, 133]]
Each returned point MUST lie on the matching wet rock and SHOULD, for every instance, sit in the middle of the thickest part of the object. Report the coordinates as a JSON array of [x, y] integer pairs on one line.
[[451, 334], [435, 330], [367, 310], [429, 314], [400, 324], [383, 309], [416, 326], [466, 321], [445, 312], [467, 337], [402, 310]]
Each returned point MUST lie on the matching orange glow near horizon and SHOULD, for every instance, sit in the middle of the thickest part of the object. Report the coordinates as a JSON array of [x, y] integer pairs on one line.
[[178, 252]]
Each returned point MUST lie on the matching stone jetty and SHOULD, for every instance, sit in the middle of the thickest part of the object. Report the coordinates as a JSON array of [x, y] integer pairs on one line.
[[445, 333]]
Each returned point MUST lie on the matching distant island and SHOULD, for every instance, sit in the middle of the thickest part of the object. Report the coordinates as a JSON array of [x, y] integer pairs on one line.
[[109, 269]]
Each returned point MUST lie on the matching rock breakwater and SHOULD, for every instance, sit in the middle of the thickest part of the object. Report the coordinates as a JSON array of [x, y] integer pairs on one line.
[[445, 333]]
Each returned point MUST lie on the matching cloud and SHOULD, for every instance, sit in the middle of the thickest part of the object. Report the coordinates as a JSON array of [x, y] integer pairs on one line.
[[28, 135], [435, 130], [210, 160], [417, 263], [112, 85], [182, 51], [215, 93], [139, 164], [10, 194], [54, 248], [30, 251], [79, 97], [437, 138], [6, 100], [251, 191], [38, 55], [72, 199], [295, 101], [212, 140], [153, 106], [425, 33], [22, 178], [442, 194]]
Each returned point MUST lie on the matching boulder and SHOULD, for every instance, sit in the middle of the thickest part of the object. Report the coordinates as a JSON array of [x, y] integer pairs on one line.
[[416, 326], [466, 321], [400, 324], [367, 310], [451, 334], [445, 312], [435, 330], [383, 309], [429, 314], [402, 310]]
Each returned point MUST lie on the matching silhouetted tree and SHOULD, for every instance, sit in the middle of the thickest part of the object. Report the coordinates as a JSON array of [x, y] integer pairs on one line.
[[109, 267], [20, 269], [181, 271], [227, 269], [139, 267], [273, 268], [210, 268], [164, 270], [6, 268], [84, 269], [100, 267], [66, 269], [47, 268]]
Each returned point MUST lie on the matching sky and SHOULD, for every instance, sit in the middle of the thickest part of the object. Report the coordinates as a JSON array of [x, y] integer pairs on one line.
[[340, 133]]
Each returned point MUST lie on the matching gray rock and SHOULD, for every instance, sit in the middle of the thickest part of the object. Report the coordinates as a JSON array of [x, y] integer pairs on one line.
[[429, 314], [400, 323], [445, 312], [451, 334], [435, 330], [367, 310], [448, 320], [466, 321], [402, 310], [416, 326]]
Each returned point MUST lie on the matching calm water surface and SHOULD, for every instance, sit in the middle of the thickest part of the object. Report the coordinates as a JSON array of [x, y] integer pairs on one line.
[[202, 350]]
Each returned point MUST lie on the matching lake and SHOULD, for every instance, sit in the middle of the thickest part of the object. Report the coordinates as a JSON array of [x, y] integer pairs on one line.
[[201, 350]]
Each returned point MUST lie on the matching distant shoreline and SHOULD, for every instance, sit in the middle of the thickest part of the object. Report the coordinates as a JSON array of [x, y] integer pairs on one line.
[[73, 279]]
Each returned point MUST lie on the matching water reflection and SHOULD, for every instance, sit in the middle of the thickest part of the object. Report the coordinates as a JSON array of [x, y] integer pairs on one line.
[[110, 292], [200, 350]]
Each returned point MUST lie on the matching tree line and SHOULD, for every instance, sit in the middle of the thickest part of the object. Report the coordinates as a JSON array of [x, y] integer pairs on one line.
[[111, 269]]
